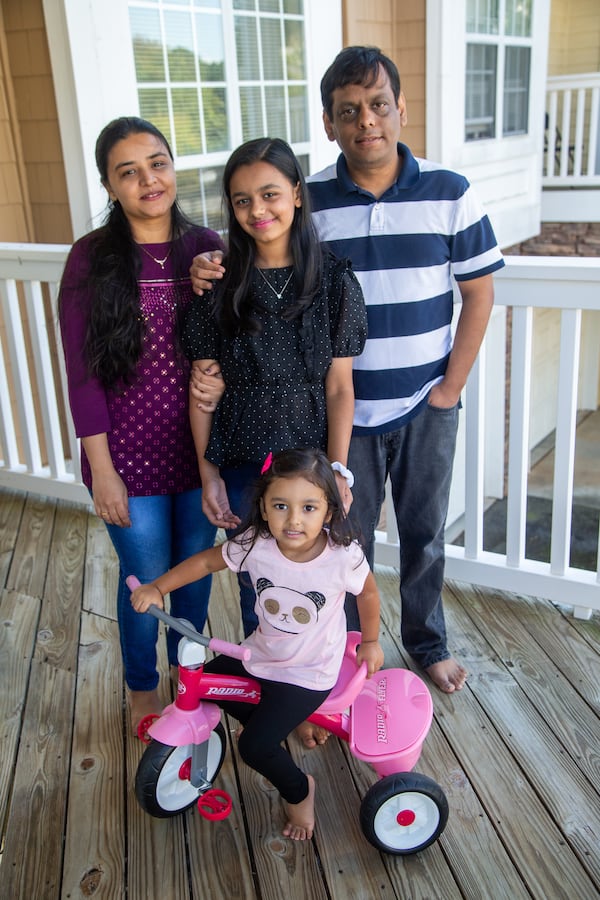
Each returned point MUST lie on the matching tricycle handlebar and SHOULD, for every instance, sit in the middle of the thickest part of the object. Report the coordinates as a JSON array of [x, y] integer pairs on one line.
[[187, 629]]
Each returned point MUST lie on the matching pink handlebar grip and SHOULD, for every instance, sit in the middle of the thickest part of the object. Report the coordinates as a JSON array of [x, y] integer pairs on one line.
[[230, 649]]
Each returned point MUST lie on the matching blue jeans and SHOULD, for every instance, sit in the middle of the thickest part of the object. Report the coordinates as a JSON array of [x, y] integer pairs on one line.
[[418, 459], [164, 531], [238, 481]]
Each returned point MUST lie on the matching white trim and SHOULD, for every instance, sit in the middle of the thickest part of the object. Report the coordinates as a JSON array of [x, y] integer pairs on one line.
[[94, 82]]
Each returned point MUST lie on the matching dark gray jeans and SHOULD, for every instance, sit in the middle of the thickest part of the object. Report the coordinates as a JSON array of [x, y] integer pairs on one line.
[[418, 460]]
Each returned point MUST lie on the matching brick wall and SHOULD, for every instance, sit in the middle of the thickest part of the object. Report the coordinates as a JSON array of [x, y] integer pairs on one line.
[[561, 239]]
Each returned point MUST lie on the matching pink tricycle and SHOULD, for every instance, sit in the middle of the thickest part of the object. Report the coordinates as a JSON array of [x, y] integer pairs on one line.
[[384, 719]]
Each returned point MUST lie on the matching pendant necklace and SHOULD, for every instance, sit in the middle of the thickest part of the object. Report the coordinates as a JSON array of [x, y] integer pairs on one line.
[[159, 262], [278, 294]]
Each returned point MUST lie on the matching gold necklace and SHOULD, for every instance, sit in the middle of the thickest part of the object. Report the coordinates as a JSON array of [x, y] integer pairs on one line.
[[268, 283], [159, 262]]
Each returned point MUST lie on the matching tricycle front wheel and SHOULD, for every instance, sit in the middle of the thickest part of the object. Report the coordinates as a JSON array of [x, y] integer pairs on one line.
[[162, 784], [403, 813]]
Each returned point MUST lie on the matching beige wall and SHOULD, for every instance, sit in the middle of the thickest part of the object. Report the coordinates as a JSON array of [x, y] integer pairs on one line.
[[574, 37], [33, 201], [398, 27]]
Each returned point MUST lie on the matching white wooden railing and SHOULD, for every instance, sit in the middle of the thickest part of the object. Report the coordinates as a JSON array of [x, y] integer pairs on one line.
[[37, 441], [526, 284], [39, 451], [572, 137]]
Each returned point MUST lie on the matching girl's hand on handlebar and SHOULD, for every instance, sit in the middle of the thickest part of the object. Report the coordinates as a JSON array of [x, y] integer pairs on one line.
[[371, 653], [145, 596]]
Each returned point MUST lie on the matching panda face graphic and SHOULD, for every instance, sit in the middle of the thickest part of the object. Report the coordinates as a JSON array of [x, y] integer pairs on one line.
[[288, 610]]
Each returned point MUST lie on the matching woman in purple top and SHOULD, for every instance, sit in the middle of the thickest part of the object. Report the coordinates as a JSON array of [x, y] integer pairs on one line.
[[123, 293]]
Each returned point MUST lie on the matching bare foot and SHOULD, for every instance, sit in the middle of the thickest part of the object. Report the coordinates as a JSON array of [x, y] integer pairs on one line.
[[301, 816], [311, 735], [448, 675], [142, 704]]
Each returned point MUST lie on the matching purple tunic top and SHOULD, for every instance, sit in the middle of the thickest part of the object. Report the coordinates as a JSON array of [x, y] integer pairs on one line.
[[147, 425]]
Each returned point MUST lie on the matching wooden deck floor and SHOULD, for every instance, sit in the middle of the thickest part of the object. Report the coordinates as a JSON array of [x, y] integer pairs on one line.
[[517, 752]]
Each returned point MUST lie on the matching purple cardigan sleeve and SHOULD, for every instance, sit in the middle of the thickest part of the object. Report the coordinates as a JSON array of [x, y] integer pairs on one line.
[[87, 397]]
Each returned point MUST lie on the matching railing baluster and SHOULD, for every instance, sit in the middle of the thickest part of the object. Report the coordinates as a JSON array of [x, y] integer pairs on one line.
[[40, 342], [518, 442], [21, 382], [474, 458], [564, 448]]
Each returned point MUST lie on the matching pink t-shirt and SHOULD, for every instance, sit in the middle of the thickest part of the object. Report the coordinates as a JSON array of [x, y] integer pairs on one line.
[[301, 633]]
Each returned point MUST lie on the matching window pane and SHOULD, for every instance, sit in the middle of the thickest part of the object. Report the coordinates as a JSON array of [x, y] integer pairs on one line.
[[518, 18], [268, 5], [270, 32], [186, 116], [516, 90], [296, 7], [216, 126], [480, 92], [180, 46], [211, 48], [154, 106], [244, 4], [298, 101], [252, 118], [482, 16], [276, 120], [199, 194], [147, 45], [294, 50], [247, 49], [207, 4]]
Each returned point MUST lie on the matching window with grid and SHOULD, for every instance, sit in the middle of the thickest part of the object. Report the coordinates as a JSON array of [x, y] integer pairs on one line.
[[212, 74], [498, 67]]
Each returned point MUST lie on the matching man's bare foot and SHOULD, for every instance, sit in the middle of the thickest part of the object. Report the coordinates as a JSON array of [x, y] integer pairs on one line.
[[142, 704], [301, 816], [310, 735], [448, 675]]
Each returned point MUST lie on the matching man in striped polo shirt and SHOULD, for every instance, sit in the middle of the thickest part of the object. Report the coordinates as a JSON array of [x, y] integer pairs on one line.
[[408, 225]]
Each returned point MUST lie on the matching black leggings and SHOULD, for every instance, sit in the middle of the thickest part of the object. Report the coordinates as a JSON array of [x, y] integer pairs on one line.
[[266, 724]]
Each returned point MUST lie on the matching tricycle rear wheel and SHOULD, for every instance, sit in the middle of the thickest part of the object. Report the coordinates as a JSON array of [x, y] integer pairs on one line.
[[403, 813]]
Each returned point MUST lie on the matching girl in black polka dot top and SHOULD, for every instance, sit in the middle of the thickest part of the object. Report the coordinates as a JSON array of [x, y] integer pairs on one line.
[[284, 324]]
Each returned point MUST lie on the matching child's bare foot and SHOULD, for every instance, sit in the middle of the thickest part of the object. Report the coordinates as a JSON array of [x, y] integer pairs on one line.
[[301, 816], [448, 675], [310, 735], [142, 704]]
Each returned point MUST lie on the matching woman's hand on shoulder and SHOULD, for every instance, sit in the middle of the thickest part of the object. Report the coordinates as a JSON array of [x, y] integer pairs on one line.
[[206, 268]]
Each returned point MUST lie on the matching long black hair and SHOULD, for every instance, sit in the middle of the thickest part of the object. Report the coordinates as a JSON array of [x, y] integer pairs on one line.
[[311, 464], [232, 301], [116, 330]]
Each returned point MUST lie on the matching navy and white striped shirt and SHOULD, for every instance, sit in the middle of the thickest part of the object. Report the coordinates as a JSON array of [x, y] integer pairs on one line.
[[404, 248]]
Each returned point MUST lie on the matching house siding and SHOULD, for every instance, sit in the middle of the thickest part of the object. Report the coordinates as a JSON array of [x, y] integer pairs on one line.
[[398, 27], [34, 205]]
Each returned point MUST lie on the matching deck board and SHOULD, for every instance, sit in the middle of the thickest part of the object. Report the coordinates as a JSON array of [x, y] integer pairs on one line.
[[516, 752]]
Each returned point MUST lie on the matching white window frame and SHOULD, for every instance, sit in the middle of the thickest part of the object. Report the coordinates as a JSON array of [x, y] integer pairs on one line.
[[501, 42]]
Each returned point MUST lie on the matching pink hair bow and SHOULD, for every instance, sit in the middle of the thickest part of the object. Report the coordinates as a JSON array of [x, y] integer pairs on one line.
[[267, 464]]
